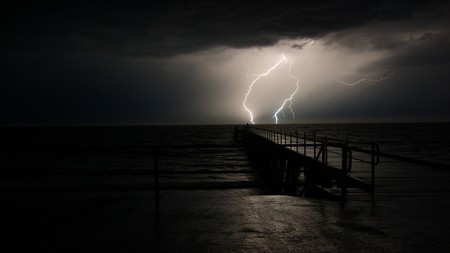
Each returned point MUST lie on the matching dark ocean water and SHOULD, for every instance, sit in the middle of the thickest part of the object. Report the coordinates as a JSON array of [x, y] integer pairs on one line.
[[124, 155], [121, 157]]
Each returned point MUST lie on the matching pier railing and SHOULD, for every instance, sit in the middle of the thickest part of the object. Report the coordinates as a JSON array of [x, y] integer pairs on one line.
[[140, 168], [343, 154]]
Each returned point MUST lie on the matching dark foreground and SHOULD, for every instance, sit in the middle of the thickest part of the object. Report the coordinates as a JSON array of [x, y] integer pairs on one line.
[[234, 220], [77, 200]]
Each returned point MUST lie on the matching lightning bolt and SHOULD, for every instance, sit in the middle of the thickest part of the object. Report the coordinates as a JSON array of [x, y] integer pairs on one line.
[[365, 80], [244, 103], [289, 99]]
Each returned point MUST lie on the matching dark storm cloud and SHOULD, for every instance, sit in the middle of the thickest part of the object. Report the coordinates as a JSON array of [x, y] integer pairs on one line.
[[300, 45], [91, 62], [91, 91], [421, 40], [428, 50], [164, 28]]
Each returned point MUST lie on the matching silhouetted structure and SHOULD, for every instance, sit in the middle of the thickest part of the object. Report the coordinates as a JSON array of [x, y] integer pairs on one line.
[[309, 164]]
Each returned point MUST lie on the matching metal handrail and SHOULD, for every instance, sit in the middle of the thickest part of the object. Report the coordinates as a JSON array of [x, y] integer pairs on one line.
[[347, 146], [274, 135]]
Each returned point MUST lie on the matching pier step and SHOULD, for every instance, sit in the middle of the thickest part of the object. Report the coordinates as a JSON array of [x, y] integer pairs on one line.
[[317, 191], [334, 191], [354, 182]]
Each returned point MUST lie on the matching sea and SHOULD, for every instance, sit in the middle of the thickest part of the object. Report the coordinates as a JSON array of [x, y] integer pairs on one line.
[[124, 157]]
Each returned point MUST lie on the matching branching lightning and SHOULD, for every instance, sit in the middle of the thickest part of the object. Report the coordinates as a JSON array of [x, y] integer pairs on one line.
[[365, 80], [244, 103], [287, 102], [290, 97]]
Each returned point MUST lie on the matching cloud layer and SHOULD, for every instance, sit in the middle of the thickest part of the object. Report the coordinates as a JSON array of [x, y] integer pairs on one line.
[[165, 28]]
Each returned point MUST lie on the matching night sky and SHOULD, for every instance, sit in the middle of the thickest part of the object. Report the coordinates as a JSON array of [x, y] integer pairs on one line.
[[174, 62]]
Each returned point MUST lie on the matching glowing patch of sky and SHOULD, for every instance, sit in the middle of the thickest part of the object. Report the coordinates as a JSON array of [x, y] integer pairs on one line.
[[316, 63]]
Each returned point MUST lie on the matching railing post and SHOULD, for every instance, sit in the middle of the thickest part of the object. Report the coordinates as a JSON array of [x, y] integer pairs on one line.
[[322, 147], [304, 143], [344, 171], [290, 139], [314, 141], [373, 168], [156, 175]]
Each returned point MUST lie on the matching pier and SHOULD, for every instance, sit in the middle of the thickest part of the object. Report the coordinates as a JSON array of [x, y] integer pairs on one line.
[[313, 165]]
